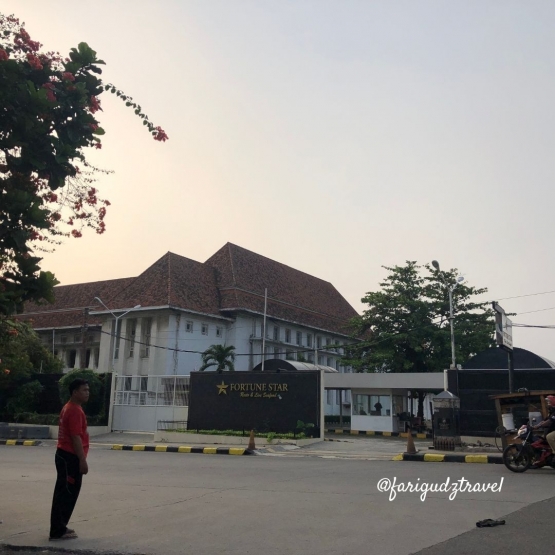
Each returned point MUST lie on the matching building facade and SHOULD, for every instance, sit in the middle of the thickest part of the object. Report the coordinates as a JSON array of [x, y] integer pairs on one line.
[[159, 323]]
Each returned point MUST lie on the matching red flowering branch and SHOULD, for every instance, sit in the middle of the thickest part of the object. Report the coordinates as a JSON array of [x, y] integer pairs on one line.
[[48, 119]]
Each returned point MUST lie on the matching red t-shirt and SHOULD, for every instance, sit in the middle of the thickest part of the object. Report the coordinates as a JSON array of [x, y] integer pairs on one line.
[[73, 422]]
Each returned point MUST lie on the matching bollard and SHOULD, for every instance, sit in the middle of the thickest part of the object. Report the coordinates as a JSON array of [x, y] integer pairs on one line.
[[411, 449]]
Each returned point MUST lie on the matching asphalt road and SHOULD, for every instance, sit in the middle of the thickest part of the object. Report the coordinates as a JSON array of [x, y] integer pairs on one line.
[[158, 503]]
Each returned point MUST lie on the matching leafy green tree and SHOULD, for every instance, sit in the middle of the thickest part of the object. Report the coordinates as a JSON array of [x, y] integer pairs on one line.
[[22, 353], [96, 381], [406, 325], [220, 356], [48, 107]]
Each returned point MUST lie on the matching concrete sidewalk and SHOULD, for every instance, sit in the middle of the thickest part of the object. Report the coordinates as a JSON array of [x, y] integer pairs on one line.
[[344, 447]]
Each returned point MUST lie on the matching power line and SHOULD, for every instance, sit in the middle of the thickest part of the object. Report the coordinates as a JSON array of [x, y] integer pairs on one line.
[[528, 295], [539, 310], [296, 350]]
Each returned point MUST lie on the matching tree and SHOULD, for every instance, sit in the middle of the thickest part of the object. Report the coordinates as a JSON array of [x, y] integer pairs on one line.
[[406, 325], [48, 107], [220, 356], [22, 353]]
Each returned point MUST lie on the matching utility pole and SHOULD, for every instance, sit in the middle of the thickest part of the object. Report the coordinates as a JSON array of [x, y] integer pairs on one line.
[[84, 330]]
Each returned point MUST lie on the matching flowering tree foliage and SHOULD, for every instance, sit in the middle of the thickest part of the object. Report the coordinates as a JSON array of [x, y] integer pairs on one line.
[[48, 111]]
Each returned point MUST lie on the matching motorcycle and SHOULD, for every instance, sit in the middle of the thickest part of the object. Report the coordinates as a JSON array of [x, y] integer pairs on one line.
[[519, 457]]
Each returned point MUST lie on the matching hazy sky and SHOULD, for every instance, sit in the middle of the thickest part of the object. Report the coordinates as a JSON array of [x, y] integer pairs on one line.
[[332, 136]]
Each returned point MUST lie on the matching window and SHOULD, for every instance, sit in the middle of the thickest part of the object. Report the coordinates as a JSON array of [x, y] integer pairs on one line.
[[145, 337], [328, 342], [300, 338], [321, 360], [287, 336], [329, 395], [330, 362], [276, 333], [338, 396], [318, 342], [338, 365], [289, 355], [309, 340], [131, 330], [276, 352], [77, 338], [204, 329], [219, 331], [311, 358], [189, 326], [63, 338], [118, 338], [72, 356], [372, 405], [127, 384]]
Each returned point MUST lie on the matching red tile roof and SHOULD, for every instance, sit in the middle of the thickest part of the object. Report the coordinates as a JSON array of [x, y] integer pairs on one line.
[[71, 301], [242, 276], [233, 279], [175, 281]]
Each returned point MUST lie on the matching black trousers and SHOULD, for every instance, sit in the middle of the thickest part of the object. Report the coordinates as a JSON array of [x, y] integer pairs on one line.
[[66, 491]]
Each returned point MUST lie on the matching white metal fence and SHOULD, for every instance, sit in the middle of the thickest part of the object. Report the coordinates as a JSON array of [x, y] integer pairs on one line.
[[140, 401], [153, 391]]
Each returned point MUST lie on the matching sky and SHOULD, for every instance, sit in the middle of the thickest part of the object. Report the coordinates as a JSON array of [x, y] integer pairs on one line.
[[336, 137]]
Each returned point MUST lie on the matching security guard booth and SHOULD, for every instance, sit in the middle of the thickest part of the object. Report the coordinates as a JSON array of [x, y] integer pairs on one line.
[[446, 421]]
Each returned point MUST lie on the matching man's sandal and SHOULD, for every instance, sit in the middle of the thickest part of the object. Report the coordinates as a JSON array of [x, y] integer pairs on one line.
[[69, 535], [489, 522]]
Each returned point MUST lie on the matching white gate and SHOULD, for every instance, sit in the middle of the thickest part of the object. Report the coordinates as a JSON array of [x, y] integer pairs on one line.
[[141, 401]]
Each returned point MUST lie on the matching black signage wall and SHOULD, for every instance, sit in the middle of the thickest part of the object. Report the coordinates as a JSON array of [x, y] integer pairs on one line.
[[268, 401]]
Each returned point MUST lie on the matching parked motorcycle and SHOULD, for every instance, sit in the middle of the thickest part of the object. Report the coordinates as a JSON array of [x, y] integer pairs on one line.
[[519, 457]]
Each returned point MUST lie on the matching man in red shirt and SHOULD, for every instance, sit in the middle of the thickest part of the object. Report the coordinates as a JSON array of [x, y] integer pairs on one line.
[[71, 460]]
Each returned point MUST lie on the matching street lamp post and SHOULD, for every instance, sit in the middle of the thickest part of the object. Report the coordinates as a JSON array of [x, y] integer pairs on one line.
[[116, 319], [451, 288]]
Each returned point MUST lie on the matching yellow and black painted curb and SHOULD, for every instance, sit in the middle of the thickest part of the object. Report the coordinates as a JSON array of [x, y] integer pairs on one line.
[[25, 442], [183, 449], [371, 433], [436, 457]]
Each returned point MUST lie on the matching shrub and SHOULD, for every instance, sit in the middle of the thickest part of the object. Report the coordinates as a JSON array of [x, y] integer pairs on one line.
[[25, 398], [53, 419], [95, 405], [334, 419], [240, 433]]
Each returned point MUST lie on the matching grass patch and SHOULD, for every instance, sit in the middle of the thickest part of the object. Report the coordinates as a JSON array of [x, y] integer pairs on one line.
[[238, 433]]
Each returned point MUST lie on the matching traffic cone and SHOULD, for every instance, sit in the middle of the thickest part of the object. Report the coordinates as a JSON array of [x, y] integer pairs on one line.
[[411, 449], [251, 446]]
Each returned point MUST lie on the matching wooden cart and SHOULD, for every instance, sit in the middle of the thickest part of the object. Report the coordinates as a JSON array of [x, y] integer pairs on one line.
[[529, 399]]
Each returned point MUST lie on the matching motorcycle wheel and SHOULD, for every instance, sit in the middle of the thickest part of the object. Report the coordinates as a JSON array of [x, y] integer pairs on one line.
[[515, 459]]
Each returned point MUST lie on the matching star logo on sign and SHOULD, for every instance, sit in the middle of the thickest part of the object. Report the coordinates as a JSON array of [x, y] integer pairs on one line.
[[222, 388]]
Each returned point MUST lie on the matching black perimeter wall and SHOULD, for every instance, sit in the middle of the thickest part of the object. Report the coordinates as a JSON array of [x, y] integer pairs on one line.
[[473, 387]]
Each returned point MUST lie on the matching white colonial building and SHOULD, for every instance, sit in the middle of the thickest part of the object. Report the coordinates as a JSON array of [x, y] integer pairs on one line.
[[159, 323]]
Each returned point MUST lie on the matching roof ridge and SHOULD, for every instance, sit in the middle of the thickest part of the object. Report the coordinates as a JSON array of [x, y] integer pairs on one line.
[[275, 262], [93, 282], [169, 277], [231, 262]]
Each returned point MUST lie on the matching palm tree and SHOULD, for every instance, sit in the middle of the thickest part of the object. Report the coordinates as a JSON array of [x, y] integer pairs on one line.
[[219, 355]]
